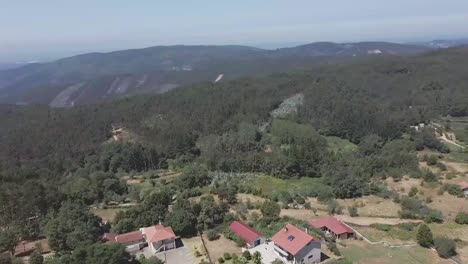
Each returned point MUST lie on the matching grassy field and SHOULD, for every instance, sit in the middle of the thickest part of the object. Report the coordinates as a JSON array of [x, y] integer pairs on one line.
[[218, 247], [394, 236], [107, 214], [337, 144], [360, 252], [458, 157]]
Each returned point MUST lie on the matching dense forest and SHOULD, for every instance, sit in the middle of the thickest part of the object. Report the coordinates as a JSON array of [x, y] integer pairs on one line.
[[57, 161]]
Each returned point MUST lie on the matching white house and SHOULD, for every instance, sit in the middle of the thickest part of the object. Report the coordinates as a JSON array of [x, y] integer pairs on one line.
[[292, 245], [159, 238]]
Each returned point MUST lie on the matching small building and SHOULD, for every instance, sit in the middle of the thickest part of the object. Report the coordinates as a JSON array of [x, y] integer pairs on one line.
[[333, 227], [159, 238], [251, 236], [133, 241], [292, 245]]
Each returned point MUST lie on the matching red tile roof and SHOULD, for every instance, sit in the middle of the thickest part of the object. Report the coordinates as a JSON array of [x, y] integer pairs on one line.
[[158, 233], [109, 237], [245, 231], [332, 224], [292, 239], [131, 237]]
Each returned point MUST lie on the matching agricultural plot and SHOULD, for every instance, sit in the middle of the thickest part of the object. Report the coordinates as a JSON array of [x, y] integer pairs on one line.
[[361, 252]]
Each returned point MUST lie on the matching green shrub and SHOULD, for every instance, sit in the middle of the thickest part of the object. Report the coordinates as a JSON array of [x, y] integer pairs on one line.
[[429, 176], [212, 234], [382, 227], [408, 226], [36, 258], [424, 236], [333, 207], [413, 191], [300, 200], [246, 254], [441, 166], [462, 218], [431, 160], [227, 256], [445, 247], [220, 260], [270, 209], [333, 248], [353, 211], [434, 216]]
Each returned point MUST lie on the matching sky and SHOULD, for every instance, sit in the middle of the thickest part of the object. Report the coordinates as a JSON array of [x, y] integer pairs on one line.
[[47, 29]]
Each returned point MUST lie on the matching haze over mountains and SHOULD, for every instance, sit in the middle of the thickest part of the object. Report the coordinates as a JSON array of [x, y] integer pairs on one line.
[[97, 77]]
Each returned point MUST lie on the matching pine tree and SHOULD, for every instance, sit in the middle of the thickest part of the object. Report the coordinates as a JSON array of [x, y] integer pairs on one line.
[[424, 236]]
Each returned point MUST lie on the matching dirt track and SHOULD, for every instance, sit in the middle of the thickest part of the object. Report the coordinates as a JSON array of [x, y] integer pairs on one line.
[[366, 221]]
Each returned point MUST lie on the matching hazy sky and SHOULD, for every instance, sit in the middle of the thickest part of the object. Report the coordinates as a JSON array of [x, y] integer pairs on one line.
[[40, 29]]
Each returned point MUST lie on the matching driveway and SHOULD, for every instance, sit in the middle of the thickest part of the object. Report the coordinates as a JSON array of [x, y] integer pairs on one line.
[[181, 254], [267, 251]]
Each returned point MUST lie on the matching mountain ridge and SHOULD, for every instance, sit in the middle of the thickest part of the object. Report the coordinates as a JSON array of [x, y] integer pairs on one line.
[[116, 74]]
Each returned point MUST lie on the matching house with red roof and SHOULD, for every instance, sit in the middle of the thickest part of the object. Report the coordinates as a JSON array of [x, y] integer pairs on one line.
[[333, 227], [133, 241], [251, 236], [159, 238], [293, 245]]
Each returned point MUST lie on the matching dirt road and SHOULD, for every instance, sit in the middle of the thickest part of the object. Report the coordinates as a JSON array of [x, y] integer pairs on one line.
[[366, 221]]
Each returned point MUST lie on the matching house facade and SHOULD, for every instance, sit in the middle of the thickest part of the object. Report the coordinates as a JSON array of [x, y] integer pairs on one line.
[[133, 241], [333, 227], [251, 236], [159, 238], [294, 246]]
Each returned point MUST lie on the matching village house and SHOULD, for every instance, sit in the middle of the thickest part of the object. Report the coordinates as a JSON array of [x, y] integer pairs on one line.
[[333, 227], [133, 241], [293, 245], [251, 236], [158, 238]]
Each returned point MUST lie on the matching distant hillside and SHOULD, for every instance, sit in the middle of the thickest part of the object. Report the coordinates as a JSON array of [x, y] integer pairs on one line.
[[444, 44], [382, 96], [97, 77], [353, 49]]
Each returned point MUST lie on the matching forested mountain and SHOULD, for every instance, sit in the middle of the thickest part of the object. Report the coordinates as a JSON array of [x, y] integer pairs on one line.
[[98, 77], [379, 96], [56, 162]]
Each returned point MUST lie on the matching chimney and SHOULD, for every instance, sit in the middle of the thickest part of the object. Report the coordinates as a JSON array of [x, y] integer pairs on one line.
[[305, 229], [285, 229]]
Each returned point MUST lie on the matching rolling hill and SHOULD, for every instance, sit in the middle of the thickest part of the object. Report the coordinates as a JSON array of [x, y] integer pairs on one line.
[[97, 77]]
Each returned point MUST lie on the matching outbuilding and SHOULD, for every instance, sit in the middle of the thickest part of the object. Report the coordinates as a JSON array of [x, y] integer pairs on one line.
[[251, 236], [333, 227]]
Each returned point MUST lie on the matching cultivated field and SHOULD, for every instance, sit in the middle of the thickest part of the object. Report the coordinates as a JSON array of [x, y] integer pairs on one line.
[[220, 246], [361, 252]]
